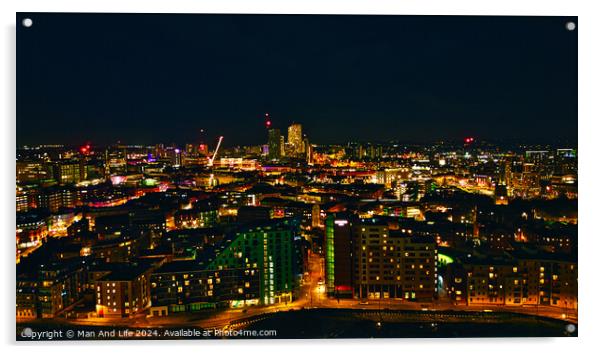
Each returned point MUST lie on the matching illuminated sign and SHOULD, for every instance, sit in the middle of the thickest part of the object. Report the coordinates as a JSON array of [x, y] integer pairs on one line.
[[341, 222]]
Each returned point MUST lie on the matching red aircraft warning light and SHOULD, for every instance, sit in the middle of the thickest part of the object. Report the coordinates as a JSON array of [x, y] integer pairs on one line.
[[468, 140]]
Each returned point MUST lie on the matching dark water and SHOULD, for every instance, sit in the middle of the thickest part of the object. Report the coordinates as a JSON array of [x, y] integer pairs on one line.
[[338, 323], [407, 324]]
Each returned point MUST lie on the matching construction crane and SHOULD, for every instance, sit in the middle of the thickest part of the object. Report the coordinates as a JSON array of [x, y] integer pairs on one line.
[[219, 142]]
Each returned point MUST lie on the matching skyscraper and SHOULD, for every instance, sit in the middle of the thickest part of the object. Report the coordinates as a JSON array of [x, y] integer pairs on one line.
[[274, 148], [308, 151], [295, 139]]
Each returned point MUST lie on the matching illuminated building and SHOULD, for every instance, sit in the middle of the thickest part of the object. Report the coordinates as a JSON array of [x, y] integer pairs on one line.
[[159, 151], [274, 144], [408, 191], [308, 213], [537, 156], [289, 150], [120, 249], [54, 198], [32, 228], [316, 216], [561, 241], [123, 292], [505, 175], [192, 150], [266, 247], [392, 176], [67, 172], [60, 221], [355, 151], [374, 152], [237, 163], [233, 199], [549, 278], [309, 150], [184, 286], [501, 194], [393, 264], [411, 211], [26, 198], [151, 223], [339, 254], [115, 163], [497, 237], [27, 306], [493, 282], [522, 277], [175, 156], [282, 146], [22, 202], [196, 218], [50, 288], [31, 172], [295, 139], [566, 153]]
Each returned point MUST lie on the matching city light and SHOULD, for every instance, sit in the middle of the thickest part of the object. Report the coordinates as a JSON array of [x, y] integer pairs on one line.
[[164, 197]]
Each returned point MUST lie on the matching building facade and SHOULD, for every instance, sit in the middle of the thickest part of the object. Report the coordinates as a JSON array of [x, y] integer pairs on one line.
[[184, 286], [265, 247], [393, 264], [124, 292], [339, 255]]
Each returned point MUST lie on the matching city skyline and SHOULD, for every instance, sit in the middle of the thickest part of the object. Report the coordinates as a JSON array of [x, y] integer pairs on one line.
[[277, 136], [222, 176], [422, 78]]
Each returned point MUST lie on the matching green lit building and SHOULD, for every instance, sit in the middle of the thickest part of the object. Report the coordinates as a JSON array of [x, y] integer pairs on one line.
[[267, 247]]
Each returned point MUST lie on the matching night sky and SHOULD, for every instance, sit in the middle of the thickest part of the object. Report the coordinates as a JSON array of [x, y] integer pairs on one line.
[[105, 78]]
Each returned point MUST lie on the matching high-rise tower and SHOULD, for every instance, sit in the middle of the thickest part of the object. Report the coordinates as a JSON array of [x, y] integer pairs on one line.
[[295, 139], [274, 144]]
